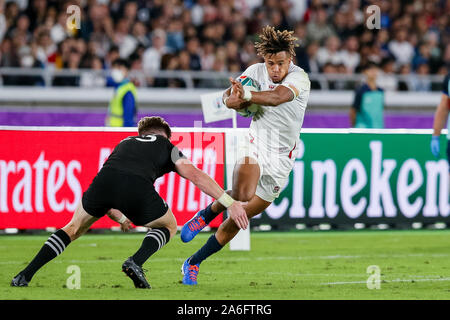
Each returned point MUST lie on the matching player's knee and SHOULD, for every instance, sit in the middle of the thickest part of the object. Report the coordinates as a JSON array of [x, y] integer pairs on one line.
[[243, 195], [73, 231], [172, 227]]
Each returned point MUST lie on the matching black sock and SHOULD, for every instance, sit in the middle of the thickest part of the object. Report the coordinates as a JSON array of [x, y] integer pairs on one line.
[[154, 240], [52, 248], [210, 247], [208, 215]]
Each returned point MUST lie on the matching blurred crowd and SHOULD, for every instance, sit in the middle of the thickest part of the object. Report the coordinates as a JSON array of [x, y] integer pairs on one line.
[[219, 35]]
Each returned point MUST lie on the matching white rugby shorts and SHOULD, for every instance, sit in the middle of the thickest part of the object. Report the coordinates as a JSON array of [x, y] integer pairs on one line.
[[275, 167]]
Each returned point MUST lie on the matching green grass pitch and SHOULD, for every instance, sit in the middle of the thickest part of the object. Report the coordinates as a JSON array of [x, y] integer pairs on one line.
[[280, 266]]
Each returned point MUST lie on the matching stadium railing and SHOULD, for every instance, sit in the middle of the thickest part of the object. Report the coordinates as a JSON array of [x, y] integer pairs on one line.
[[211, 79], [197, 83]]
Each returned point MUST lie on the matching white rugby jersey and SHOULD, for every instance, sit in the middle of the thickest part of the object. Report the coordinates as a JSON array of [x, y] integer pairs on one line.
[[278, 129]]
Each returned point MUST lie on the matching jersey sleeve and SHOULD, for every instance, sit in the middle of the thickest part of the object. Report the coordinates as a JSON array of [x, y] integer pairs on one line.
[[250, 71], [446, 85], [175, 154], [299, 80]]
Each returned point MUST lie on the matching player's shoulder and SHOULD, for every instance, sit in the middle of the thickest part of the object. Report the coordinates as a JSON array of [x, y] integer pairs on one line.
[[254, 68], [297, 71], [298, 77]]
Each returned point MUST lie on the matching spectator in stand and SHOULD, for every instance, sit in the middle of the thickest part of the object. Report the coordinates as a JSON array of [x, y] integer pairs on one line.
[[381, 41], [247, 54], [239, 33], [36, 12], [411, 32], [404, 83], [349, 55], [232, 49], [10, 14], [330, 53], [301, 55], [419, 80], [138, 37], [184, 60], [21, 28], [400, 48], [58, 31], [193, 48], [169, 62], [340, 24], [71, 64], [331, 69], [44, 45], [175, 37], [319, 29], [93, 78], [311, 52], [422, 55], [151, 61], [207, 55], [387, 79], [113, 54]]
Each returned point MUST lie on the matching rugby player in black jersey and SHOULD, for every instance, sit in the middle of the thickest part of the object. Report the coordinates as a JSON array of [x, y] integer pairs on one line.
[[123, 189]]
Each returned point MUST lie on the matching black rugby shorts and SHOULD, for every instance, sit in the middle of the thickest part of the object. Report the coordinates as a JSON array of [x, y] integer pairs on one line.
[[133, 195]]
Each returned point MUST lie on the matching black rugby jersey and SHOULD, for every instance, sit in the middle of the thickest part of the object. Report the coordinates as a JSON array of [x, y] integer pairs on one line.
[[149, 156]]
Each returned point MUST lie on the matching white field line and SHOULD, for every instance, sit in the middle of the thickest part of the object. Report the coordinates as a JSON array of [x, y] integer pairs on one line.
[[387, 281], [263, 258]]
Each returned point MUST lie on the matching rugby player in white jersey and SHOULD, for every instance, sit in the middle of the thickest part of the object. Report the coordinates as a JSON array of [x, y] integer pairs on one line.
[[274, 134]]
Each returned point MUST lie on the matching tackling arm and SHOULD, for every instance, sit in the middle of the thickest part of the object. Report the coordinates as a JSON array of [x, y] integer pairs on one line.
[[187, 170], [117, 216]]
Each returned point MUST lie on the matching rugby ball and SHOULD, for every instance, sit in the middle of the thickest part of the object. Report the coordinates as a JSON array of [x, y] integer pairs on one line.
[[253, 85]]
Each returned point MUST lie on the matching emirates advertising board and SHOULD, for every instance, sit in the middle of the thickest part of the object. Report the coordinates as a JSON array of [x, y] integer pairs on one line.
[[44, 173], [337, 178]]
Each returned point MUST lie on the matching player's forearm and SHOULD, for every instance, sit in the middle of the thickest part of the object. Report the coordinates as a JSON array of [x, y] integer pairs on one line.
[[225, 96], [116, 215], [267, 98], [206, 184], [440, 116]]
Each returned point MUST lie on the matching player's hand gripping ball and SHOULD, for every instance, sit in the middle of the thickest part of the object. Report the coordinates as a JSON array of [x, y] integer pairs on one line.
[[253, 108]]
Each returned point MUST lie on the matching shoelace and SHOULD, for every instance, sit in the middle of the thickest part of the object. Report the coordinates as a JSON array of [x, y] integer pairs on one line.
[[197, 224], [142, 270], [193, 272]]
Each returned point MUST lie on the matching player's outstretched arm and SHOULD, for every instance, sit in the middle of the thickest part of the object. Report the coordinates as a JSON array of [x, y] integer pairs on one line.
[[440, 115], [117, 216], [205, 183]]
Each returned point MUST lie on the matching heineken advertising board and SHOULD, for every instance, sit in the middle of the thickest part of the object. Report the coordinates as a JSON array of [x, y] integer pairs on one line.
[[347, 178]]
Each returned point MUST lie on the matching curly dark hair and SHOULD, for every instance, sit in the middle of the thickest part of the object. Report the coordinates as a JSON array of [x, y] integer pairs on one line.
[[148, 124], [272, 41]]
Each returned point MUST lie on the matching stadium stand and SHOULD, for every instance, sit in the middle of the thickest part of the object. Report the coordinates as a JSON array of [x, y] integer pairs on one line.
[[182, 38]]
